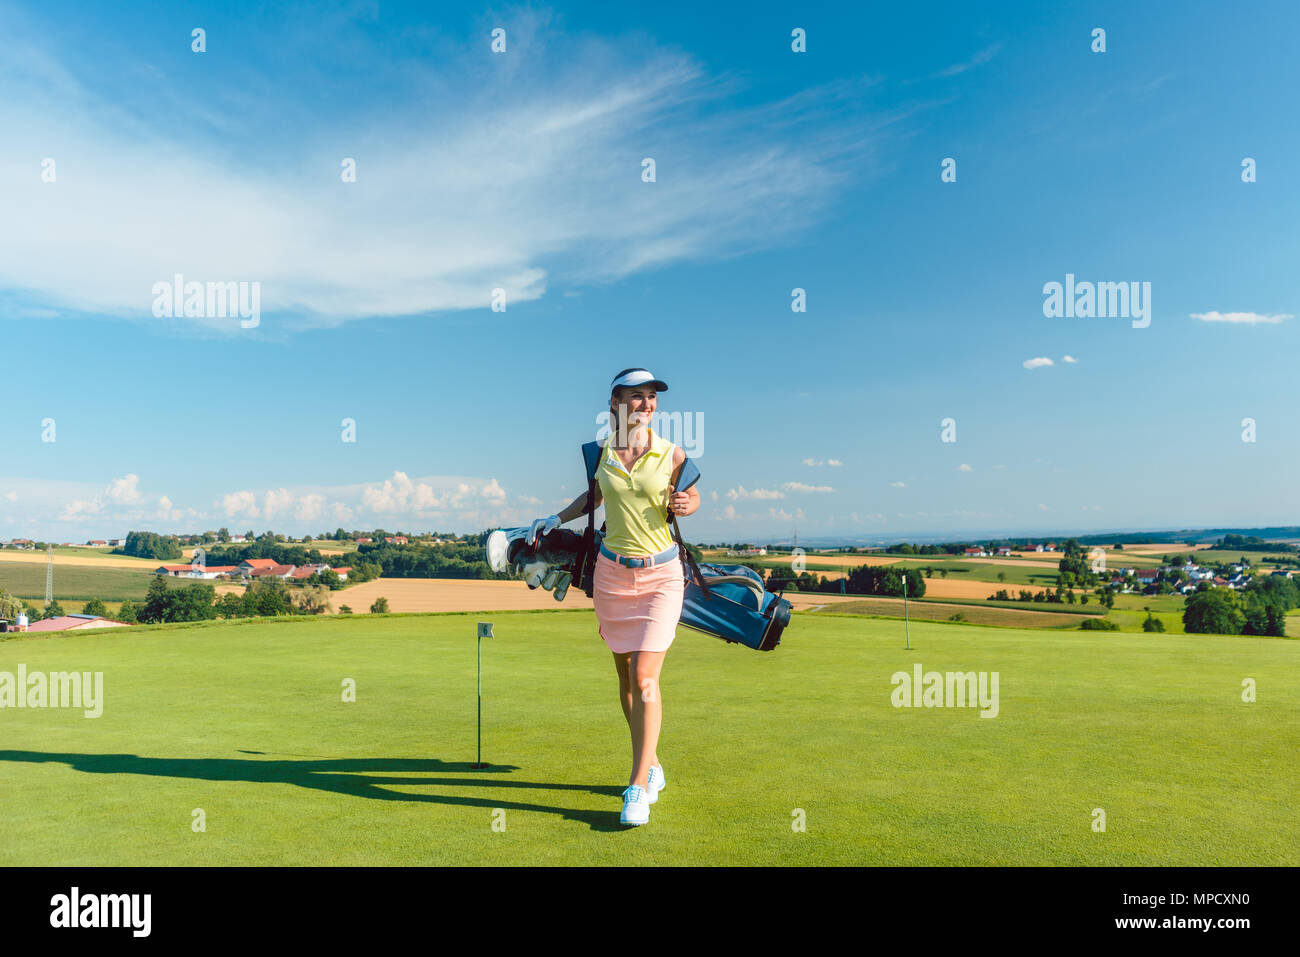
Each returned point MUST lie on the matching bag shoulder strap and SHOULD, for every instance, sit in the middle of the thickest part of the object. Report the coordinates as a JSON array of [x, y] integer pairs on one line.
[[587, 559], [689, 475]]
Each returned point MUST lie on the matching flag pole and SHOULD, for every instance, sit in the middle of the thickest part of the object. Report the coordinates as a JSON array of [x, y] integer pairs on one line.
[[906, 629]]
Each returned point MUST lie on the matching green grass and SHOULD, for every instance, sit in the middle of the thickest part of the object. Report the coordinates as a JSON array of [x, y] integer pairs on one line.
[[975, 612], [1213, 556], [86, 551], [75, 582], [331, 545], [244, 720]]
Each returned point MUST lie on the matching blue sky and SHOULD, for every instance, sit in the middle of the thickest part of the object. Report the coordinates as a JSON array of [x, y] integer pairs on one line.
[[775, 170]]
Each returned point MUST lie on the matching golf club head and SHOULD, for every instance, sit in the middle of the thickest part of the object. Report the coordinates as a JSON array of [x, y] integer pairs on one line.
[[533, 572], [562, 585]]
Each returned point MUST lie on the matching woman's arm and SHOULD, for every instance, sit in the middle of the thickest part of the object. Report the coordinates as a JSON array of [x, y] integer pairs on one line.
[[578, 506]]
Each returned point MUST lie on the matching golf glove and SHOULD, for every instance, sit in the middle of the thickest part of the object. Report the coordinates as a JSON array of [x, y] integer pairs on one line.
[[541, 526]]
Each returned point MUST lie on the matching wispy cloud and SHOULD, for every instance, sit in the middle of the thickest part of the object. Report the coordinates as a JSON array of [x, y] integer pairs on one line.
[[1242, 318], [740, 492], [523, 176], [980, 58], [123, 505], [801, 487], [1037, 362]]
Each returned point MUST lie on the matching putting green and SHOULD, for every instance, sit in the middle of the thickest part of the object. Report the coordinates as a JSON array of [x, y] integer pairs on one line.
[[244, 720]]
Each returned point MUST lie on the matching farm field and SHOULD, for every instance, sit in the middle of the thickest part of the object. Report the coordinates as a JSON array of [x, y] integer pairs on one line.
[[75, 582], [976, 614], [1227, 555], [90, 557], [453, 594], [245, 721], [325, 546]]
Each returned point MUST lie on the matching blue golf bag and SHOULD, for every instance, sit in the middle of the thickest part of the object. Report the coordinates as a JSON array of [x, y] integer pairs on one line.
[[725, 601]]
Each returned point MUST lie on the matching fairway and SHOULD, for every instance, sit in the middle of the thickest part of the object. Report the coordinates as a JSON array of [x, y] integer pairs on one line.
[[245, 721]]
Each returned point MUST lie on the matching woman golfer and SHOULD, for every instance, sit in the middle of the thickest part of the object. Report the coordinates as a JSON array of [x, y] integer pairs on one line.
[[638, 582]]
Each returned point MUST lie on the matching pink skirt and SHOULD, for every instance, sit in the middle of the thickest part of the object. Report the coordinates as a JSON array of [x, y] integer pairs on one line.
[[638, 608]]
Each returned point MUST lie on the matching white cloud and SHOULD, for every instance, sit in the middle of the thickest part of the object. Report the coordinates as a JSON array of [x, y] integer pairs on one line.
[[1043, 508], [834, 462], [983, 56], [1037, 362], [237, 504], [125, 490], [1070, 359], [801, 487], [1244, 318], [740, 492], [525, 163], [898, 485], [310, 507], [964, 468], [80, 508], [167, 513], [119, 491], [781, 515], [276, 502]]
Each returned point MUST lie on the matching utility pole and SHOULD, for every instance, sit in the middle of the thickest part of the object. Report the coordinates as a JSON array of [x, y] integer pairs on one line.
[[49, 575]]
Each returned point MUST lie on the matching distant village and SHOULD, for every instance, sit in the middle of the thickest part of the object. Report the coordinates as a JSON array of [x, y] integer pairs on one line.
[[251, 569]]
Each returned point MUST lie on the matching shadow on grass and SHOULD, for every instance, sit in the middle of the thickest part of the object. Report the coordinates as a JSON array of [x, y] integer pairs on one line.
[[341, 776]]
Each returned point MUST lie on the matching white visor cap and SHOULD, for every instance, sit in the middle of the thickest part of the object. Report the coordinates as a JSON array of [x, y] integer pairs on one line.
[[633, 377]]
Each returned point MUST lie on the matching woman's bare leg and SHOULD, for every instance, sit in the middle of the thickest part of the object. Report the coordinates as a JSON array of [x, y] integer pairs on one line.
[[627, 696], [623, 664], [647, 712]]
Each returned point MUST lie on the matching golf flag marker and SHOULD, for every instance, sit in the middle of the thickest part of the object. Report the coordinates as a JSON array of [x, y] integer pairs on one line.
[[484, 631]]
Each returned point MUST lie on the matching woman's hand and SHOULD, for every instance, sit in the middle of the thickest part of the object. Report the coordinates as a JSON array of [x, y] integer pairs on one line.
[[541, 526], [682, 503]]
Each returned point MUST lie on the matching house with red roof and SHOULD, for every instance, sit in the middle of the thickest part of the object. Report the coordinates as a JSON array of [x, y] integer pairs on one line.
[[197, 571], [75, 623], [249, 565]]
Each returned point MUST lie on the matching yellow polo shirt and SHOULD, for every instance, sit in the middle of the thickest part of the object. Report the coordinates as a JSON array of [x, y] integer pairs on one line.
[[636, 502]]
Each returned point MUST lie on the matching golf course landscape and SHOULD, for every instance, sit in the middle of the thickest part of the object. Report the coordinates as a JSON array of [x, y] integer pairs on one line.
[[231, 743]]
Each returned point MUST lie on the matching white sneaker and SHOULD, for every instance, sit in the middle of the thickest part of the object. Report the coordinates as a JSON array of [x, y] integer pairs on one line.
[[655, 782], [636, 807]]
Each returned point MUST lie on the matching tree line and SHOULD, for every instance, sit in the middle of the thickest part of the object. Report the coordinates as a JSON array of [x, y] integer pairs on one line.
[[1259, 609], [262, 599]]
